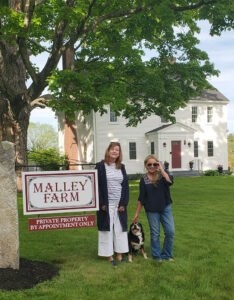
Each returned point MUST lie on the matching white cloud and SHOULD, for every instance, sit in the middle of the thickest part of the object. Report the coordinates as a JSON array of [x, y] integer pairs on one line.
[[205, 33], [220, 50], [231, 126], [225, 77], [44, 116]]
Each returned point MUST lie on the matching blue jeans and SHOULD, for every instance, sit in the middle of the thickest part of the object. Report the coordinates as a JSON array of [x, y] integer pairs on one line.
[[166, 219]]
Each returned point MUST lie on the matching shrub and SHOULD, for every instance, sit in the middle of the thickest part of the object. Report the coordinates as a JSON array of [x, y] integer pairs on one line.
[[48, 159], [134, 176], [228, 172], [211, 173], [138, 176], [220, 169]]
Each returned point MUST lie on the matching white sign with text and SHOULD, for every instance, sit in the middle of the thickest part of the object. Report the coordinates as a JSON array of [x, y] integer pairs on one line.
[[60, 191]]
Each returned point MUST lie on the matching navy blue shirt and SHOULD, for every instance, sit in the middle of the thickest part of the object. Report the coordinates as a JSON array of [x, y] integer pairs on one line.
[[155, 199]]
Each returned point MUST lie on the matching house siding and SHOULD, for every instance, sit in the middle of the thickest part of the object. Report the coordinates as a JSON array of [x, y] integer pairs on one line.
[[215, 131], [96, 132]]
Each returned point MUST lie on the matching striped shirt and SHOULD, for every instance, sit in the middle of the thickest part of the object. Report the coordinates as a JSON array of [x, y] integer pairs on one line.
[[114, 180]]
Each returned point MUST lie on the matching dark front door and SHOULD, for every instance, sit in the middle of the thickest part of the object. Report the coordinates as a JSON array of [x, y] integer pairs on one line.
[[176, 154]]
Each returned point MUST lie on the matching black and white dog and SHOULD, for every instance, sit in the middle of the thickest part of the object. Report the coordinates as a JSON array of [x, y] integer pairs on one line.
[[136, 239]]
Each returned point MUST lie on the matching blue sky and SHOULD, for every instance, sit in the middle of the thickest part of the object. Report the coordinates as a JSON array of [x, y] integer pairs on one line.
[[220, 50]]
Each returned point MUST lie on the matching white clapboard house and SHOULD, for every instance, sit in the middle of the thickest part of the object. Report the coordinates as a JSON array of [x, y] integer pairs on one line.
[[199, 136]]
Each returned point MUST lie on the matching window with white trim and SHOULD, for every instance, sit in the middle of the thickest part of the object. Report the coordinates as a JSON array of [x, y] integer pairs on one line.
[[195, 148], [163, 120], [152, 148], [113, 116], [132, 150], [194, 114], [209, 114], [210, 148]]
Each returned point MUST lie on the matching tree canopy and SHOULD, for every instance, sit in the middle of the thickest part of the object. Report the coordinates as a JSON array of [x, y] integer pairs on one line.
[[41, 136], [108, 40], [231, 151]]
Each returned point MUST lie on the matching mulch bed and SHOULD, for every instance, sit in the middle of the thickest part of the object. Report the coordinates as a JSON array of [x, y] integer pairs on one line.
[[29, 274]]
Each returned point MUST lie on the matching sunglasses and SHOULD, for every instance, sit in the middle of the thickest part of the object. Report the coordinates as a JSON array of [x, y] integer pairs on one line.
[[116, 143], [155, 165]]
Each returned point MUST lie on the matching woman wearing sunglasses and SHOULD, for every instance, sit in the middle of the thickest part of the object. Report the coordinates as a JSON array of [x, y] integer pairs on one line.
[[113, 201], [156, 199]]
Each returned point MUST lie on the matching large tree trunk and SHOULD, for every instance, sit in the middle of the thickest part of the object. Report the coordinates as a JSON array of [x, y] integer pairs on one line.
[[14, 129], [14, 102]]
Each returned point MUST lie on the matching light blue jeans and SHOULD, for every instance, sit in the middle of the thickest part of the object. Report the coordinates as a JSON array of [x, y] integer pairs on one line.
[[166, 219]]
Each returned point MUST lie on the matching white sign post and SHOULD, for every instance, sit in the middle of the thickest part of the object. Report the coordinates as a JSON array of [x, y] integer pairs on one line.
[[60, 191]]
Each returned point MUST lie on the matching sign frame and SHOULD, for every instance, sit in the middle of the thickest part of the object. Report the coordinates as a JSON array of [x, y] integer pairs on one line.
[[73, 187]]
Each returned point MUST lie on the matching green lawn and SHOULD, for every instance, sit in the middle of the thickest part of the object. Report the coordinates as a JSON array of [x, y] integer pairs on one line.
[[204, 244]]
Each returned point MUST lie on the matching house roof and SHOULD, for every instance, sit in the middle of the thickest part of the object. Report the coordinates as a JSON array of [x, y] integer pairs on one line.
[[159, 128], [211, 95], [174, 125]]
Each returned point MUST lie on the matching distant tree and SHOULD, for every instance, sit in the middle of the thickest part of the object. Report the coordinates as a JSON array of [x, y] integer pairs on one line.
[[231, 151], [107, 39], [42, 136]]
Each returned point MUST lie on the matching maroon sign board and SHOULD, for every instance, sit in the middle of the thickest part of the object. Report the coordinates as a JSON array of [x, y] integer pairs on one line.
[[66, 222]]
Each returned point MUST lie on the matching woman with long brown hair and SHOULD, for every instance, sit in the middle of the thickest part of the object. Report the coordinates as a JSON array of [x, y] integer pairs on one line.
[[113, 201], [155, 197]]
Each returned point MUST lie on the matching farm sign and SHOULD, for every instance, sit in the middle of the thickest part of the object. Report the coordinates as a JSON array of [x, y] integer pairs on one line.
[[59, 191]]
